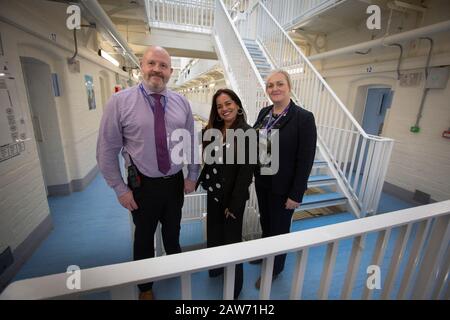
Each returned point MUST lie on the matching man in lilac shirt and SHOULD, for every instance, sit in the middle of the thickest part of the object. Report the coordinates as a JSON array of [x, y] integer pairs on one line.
[[139, 122]]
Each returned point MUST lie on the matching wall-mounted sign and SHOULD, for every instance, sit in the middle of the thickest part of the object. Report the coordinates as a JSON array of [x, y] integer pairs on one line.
[[89, 83]]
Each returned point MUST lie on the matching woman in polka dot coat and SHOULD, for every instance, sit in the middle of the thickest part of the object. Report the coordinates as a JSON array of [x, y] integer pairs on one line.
[[226, 180]]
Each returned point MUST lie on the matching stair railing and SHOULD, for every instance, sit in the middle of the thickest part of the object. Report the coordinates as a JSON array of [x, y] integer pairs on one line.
[[418, 237], [238, 64], [359, 160], [192, 15], [288, 13]]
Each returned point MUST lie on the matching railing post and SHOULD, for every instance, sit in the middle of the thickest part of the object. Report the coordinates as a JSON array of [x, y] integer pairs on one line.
[[299, 275], [377, 258], [266, 278], [353, 265], [397, 256], [228, 282], [432, 261], [327, 272], [186, 288], [414, 257]]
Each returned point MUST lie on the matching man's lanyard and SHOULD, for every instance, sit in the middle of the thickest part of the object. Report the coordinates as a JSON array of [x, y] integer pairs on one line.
[[269, 125], [149, 101]]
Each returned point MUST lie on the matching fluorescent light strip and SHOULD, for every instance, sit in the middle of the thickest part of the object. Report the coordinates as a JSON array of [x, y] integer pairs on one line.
[[108, 57]]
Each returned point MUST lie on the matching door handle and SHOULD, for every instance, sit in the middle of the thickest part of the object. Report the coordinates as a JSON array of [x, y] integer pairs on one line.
[[380, 128], [37, 129]]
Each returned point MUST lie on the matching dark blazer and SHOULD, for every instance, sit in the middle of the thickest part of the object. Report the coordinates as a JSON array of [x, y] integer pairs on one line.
[[234, 180], [297, 137]]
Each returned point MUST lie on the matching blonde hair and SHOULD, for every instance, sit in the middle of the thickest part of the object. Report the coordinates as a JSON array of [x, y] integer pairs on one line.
[[284, 73]]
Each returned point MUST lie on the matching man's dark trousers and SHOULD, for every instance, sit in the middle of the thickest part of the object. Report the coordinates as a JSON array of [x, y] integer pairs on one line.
[[158, 200]]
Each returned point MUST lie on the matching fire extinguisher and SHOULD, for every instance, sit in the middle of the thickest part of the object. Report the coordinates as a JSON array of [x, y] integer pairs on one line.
[[446, 134]]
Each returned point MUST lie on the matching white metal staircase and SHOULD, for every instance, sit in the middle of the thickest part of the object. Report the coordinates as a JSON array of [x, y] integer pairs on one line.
[[321, 175], [356, 160], [262, 64], [350, 165]]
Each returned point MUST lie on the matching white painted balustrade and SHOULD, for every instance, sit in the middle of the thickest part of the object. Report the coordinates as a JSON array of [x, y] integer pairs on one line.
[[194, 15], [187, 15], [357, 159], [291, 12], [421, 244], [240, 68]]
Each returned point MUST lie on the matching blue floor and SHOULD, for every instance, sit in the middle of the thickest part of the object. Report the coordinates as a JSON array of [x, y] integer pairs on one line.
[[91, 229]]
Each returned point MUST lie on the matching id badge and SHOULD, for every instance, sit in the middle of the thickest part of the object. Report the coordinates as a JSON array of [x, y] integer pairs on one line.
[[264, 148]]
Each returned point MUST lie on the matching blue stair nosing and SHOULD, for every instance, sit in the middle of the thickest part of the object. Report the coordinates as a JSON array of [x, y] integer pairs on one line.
[[320, 163], [321, 177], [255, 52], [254, 48], [322, 198]]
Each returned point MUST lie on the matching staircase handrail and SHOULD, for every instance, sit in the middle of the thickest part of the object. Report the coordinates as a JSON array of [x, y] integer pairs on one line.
[[260, 86], [358, 160], [294, 15], [324, 83]]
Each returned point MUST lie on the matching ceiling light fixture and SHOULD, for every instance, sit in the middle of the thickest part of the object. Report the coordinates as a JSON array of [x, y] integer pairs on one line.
[[108, 57]]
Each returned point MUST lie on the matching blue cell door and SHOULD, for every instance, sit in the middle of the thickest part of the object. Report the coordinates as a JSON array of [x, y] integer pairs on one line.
[[377, 103]]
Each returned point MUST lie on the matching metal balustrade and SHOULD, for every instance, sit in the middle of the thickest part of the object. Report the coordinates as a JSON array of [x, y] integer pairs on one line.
[[289, 13], [417, 239], [187, 15], [357, 159], [239, 67], [194, 15]]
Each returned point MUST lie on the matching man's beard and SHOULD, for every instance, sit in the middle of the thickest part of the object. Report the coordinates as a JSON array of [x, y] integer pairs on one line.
[[155, 87]]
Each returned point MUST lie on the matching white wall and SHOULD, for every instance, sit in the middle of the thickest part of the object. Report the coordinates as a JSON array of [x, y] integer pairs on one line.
[[419, 160], [25, 27]]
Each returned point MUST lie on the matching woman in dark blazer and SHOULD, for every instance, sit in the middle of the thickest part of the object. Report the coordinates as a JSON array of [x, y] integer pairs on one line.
[[227, 184], [281, 192]]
